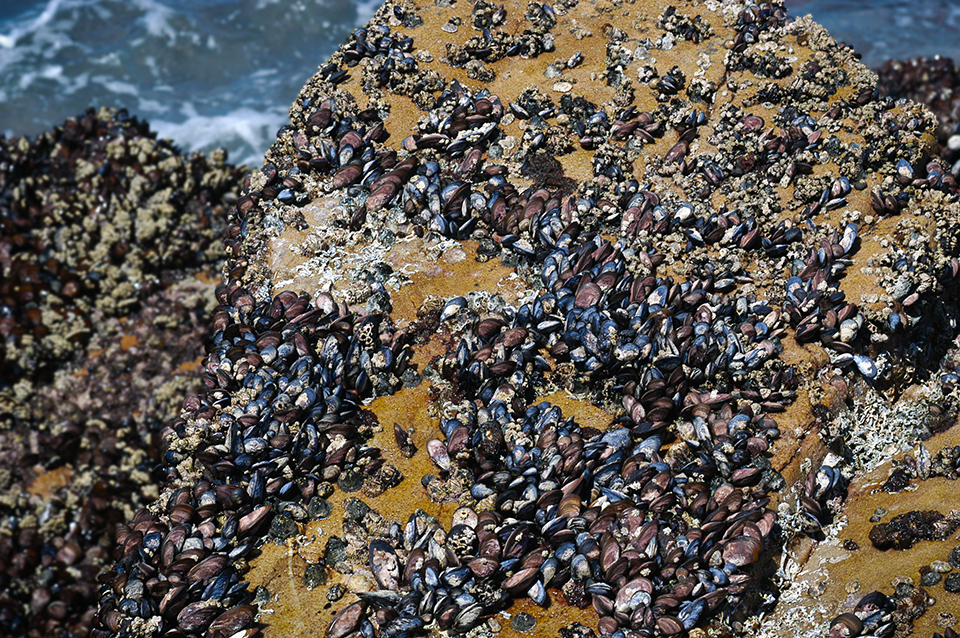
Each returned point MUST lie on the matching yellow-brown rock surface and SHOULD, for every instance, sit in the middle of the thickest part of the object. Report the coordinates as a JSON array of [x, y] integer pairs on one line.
[[744, 156]]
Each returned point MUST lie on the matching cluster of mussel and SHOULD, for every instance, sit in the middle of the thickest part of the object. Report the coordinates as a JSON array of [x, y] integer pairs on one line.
[[282, 383], [78, 455], [932, 82], [695, 29], [530, 221], [651, 539], [103, 229], [817, 309], [756, 19], [495, 41], [603, 517], [871, 618], [600, 517]]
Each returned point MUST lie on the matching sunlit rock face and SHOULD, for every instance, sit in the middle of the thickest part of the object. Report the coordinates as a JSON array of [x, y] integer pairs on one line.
[[568, 319]]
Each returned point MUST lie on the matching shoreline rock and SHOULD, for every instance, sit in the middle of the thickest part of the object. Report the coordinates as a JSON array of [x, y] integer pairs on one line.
[[109, 257], [932, 82], [759, 188], [767, 170]]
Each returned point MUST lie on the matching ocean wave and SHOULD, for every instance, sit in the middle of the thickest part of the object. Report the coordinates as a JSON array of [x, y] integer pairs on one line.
[[245, 132], [9, 40], [888, 29], [237, 63]]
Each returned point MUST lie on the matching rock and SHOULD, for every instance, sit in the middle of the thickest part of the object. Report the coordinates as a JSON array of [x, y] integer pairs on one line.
[[934, 82], [109, 247], [687, 189]]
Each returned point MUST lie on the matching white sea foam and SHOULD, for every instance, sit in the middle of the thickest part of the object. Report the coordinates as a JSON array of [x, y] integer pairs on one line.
[[115, 86], [31, 41], [27, 79], [148, 107], [247, 129], [156, 19], [205, 73], [9, 40], [885, 29], [366, 9]]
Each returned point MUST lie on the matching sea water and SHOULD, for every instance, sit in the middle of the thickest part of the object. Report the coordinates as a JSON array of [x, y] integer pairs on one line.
[[222, 73], [206, 73]]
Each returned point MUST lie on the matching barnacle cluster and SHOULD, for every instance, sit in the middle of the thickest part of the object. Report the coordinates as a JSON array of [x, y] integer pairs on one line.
[[584, 292], [109, 250]]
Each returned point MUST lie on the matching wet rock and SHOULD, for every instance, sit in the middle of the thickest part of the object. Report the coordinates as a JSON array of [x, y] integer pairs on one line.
[[699, 306], [906, 530]]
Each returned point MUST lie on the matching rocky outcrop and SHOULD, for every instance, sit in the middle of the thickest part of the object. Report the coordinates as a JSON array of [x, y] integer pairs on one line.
[[933, 82], [600, 307], [109, 247]]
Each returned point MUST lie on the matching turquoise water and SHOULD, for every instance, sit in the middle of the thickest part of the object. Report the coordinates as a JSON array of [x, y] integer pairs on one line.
[[211, 73], [206, 73]]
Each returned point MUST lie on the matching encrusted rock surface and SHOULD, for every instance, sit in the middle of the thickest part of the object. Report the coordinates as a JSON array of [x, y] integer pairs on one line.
[[600, 308], [109, 248], [934, 82]]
